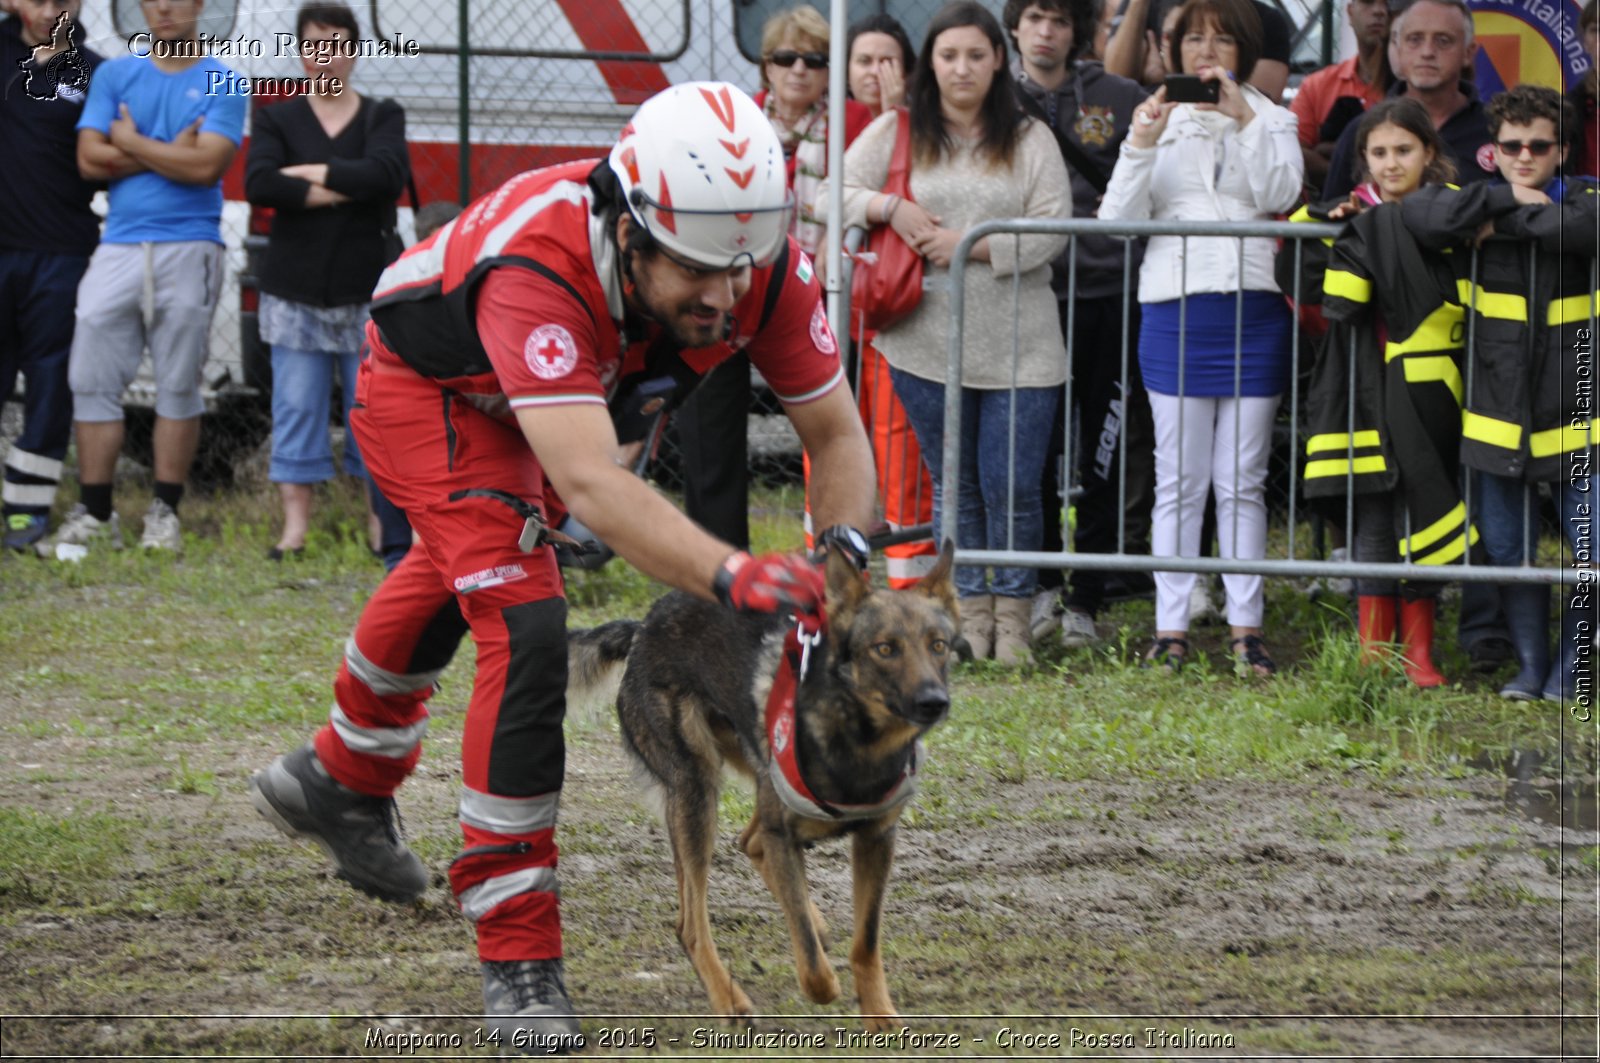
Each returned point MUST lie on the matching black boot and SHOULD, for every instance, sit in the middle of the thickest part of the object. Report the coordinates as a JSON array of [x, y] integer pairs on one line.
[[1576, 645], [1527, 611]]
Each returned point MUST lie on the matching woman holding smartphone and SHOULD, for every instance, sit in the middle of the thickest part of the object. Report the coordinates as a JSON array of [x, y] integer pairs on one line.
[[1215, 339]]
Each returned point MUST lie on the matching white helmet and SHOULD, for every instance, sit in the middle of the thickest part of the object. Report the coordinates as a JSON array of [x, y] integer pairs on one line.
[[702, 171]]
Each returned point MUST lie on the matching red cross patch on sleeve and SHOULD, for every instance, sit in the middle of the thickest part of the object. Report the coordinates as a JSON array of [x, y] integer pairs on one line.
[[550, 352], [821, 334]]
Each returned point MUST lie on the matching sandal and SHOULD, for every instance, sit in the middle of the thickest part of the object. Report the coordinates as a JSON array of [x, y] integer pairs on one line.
[[1250, 652], [1166, 653]]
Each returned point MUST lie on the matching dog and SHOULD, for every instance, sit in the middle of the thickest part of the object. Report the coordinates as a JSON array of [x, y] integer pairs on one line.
[[693, 698]]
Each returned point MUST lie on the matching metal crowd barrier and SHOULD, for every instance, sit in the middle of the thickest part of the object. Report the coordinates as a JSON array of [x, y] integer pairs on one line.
[[1293, 564]]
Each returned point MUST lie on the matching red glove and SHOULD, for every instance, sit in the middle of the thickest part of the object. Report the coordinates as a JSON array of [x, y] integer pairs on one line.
[[771, 583]]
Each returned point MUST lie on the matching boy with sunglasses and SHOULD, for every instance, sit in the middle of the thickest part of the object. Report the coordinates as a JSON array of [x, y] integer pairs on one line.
[[1526, 419]]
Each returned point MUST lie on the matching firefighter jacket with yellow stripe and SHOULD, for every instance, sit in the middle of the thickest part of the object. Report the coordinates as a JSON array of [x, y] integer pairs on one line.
[[1532, 300], [1384, 405]]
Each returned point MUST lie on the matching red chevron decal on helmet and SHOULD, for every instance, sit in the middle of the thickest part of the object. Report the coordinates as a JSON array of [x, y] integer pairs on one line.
[[742, 179], [744, 217], [736, 150], [721, 104], [664, 210], [630, 162]]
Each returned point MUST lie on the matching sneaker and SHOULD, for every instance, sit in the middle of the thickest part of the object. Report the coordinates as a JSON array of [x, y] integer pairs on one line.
[[1046, 607], [161, 531], [77, 533], [361, 834], [1077, 629], [24, 530], [525, 1005]]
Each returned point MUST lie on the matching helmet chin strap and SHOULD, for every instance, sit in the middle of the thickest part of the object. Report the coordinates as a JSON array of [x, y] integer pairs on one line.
[[633, 300]]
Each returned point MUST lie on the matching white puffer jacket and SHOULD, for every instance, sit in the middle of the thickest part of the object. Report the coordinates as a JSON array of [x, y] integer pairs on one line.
[[1205, 168]]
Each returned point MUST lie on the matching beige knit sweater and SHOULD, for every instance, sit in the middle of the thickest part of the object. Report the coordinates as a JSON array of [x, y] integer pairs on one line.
[[963, 190]]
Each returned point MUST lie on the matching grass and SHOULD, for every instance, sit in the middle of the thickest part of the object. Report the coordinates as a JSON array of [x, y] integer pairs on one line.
[[153, 686]]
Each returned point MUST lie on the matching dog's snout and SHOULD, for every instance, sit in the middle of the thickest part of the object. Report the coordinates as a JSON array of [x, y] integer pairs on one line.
[[929, 704]]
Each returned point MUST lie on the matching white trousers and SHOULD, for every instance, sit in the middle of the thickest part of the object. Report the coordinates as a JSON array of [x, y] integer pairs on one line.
[[1218, 445]]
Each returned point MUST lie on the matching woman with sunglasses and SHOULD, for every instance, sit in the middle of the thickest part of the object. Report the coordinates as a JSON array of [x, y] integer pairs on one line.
[[1526, 419], [794, 95], [975, 157]]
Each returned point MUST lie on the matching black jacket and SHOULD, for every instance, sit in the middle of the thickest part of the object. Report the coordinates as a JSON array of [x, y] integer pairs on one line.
[[1384, 408], [1527, 413], [1093, 109], [1465, 133], [46, 200], [327, 256]]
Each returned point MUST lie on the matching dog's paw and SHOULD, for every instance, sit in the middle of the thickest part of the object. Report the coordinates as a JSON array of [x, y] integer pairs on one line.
[[883, 1023], [734, 1007], [821, 985]]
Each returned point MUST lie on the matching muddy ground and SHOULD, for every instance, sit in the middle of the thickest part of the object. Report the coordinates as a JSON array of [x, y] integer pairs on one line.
[[1343, 916]]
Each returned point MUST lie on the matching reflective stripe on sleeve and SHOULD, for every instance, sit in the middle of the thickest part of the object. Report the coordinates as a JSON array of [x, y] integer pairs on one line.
[[1502, 305], [1572, 308], [1342, 441], [1343, 284], [1559, 440], [1340, 466], [1491, 430]]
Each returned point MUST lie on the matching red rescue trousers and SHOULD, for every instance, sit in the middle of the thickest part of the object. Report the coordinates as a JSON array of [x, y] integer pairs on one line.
[[425, 445]]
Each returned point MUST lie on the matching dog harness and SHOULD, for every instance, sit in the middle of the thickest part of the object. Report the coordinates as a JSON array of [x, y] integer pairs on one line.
[[783, 765]]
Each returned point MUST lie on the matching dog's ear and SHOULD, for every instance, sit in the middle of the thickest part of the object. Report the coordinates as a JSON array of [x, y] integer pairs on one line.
[[847, 585], [939, 583]]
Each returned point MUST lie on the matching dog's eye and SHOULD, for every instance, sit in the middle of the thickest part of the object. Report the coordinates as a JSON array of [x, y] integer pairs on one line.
[[885, 650], [939, 646]]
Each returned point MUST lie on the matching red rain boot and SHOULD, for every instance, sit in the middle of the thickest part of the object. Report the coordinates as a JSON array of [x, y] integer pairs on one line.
[[1416, 640], [1375, 625]]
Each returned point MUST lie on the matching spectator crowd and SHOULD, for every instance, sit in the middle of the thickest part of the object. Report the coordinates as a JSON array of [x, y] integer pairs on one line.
[[1442, 330]]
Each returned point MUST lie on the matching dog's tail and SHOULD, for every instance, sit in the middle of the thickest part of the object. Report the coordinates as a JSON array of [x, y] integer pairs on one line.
[[595, 657]]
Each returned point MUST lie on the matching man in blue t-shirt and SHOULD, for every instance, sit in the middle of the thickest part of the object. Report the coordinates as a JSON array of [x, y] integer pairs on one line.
[[161, 128], [45, 243]]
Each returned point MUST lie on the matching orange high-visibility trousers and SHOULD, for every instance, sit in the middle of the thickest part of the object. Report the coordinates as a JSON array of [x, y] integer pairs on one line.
[[903, 482]]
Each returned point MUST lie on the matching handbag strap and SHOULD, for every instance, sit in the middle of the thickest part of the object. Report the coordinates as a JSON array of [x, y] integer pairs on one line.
[[1076, 157], [899, 180]]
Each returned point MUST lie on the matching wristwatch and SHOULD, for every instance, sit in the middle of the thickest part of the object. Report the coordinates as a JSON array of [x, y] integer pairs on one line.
[[848, 540]]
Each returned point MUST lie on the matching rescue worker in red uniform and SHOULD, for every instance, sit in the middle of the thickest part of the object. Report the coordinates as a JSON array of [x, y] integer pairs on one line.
[[508, 350]]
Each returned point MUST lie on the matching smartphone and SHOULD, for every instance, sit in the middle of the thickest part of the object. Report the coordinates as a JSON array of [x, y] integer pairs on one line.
[[1188, 88]]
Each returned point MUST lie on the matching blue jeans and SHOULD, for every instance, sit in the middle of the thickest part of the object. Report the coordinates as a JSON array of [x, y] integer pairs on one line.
[[302, 400], [999, 504], [1501, 521]]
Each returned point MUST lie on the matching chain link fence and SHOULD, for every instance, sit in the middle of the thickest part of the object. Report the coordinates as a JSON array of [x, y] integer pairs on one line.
[[490, 88]]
